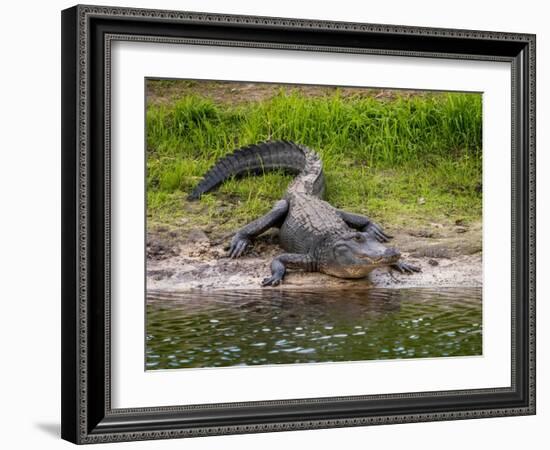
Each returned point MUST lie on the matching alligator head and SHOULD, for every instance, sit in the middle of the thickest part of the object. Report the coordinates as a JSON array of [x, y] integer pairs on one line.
[[355, 255]]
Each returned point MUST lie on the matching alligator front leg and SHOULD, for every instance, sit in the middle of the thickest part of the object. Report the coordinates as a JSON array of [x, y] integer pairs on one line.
[[364, 224], [243, 237], [288, 261], [404, 267]]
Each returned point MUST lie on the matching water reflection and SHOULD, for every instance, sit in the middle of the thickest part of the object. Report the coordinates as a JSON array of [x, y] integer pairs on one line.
[[269, 326]]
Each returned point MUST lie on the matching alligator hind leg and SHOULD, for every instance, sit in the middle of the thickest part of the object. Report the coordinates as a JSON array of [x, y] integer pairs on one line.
[[364, 224], [288, 261], [243, 237]]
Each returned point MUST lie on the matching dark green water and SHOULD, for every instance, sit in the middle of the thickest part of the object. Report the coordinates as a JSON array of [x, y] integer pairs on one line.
[[270, 326]]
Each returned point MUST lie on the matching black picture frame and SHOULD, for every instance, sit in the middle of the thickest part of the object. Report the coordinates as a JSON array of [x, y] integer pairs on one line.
[[87, 32]]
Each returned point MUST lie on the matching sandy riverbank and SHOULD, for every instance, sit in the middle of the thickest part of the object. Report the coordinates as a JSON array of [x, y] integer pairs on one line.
[[449, 255]]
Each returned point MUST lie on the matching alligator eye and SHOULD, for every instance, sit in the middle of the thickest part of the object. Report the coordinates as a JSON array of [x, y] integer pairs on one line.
[[358, 238]]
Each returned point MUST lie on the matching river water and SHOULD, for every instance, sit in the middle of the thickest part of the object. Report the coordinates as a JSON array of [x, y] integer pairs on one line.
[[271, 326]]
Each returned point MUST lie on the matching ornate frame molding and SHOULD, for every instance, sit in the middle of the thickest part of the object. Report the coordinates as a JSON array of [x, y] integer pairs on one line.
[[80, 423]]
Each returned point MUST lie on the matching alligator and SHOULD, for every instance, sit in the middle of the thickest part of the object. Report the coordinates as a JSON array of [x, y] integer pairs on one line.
[[316, 236]]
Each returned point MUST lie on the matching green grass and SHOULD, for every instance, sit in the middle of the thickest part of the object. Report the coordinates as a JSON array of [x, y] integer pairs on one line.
[[404, 160]]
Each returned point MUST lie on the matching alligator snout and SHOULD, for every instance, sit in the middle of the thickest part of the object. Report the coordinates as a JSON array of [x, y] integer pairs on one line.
[[392, 253]]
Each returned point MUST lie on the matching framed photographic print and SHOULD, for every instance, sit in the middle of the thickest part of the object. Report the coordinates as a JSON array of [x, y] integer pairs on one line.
[[280, 224]]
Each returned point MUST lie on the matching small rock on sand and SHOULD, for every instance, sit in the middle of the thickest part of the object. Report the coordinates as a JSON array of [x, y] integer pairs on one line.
[[197, 236]]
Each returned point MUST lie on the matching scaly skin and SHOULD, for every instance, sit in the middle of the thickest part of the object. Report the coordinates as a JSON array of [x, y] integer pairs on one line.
[[316, 236]]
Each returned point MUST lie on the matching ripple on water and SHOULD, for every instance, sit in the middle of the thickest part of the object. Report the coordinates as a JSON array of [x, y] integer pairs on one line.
[[219, 328]]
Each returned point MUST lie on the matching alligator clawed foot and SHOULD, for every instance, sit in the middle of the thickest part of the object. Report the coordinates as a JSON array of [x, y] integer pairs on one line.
[[403, 267], [376, 231], [271, 281], [238, 245]]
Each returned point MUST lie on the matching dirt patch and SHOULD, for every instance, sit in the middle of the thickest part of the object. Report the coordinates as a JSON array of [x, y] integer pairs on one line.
[[198, 260], [167, 91]]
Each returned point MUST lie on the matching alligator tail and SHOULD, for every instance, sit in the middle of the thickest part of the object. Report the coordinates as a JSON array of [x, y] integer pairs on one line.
[[263, 157]]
